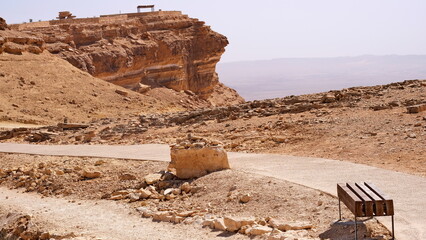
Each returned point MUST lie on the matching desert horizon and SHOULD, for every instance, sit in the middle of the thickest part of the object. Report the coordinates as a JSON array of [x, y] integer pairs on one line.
[[263, 79]]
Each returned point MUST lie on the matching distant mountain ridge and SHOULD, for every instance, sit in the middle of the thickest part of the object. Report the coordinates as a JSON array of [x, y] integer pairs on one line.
[[294, 76]]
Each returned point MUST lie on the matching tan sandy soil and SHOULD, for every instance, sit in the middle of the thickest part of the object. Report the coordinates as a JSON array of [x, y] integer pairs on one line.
[[218, 193]]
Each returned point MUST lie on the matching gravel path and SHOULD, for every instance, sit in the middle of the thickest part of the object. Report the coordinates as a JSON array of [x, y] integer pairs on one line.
[[408, 191], [97, 219]]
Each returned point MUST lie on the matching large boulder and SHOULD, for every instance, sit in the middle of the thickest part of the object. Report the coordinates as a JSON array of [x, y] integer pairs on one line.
[[197, 157], [197, 162]]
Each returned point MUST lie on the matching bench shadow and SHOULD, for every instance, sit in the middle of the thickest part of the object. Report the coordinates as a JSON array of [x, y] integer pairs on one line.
[[345, 231], [224, 234]]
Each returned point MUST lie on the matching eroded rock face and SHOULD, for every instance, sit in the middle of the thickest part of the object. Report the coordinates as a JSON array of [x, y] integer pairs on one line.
[[3, 24], [15, 42], [195, 157], [156, 49]]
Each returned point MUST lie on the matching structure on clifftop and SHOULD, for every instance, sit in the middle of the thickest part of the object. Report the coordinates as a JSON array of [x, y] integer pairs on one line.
[[140, 7], [65, 15]]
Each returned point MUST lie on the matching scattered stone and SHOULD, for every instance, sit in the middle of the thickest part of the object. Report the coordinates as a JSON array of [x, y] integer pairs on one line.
[[328, 98], [127, 177], [412, 135], [232, 224], [259, 230], [122, 93], [162, 216], [186, 187], [144, 193], [279, 139], [219, 224], [208, 223], [99, 162], [186, 214], [245, 198], [91, 175], [72, 126], [285, 226], [416, 108], [45, 236], [142, 88], [145, 212], [153, 178], [134, 196]]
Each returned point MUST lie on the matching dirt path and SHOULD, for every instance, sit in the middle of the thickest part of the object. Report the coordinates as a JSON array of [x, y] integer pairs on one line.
[[97, 219], [408, 191]]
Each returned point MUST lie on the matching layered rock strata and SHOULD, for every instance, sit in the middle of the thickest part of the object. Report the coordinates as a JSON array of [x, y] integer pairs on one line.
[[162, 48], [15, 42]]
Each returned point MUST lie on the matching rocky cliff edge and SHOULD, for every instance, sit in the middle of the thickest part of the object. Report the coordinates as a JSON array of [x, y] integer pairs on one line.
[[141, 51]]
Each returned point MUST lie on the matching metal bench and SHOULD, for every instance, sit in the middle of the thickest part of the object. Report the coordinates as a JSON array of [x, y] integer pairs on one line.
[[365, 200]]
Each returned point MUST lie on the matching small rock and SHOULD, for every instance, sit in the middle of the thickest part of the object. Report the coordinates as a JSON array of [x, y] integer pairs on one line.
[[232, 224], [279, 139], [416, 108], [177, 219], [284, 226], [163, 216], [44, 236], [186, 187], [91, 175], [186, 214], [259, 230], [208, 223], [127, 177], [144, 193], [168, 191], [118, 197], [145, 212], [152, 178], [245, 198], [328, 98], [99, 162], [134, 196], [219, 224], [411, 135], [122, 93]]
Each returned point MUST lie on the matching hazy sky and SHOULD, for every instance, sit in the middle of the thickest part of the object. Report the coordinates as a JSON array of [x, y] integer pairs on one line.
[[274, 28]]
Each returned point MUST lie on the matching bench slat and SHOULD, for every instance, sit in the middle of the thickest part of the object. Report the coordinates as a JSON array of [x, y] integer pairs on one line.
[[368, 203], [350, 199], [389, 210], [379, 208]]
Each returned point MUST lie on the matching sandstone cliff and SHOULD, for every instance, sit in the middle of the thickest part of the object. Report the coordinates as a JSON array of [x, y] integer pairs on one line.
[[16, 42], [142, 49]]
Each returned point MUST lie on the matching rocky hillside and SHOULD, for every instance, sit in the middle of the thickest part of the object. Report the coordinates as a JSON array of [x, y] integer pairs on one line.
[[383, 126], [141, 51], [41, 88]]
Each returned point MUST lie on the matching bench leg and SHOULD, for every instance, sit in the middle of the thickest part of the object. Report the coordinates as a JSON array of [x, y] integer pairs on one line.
[[356, 230], [340, 212], [393, 229]]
